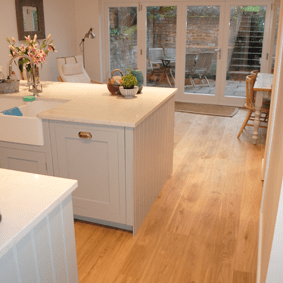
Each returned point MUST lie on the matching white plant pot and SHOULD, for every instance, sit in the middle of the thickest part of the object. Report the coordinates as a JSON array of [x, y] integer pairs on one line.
[[129, 93]]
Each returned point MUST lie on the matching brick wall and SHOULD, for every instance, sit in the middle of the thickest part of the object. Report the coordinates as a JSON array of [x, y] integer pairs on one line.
[[201, 31]]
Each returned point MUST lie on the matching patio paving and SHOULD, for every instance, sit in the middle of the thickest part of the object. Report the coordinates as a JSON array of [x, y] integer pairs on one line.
[[232, 88]]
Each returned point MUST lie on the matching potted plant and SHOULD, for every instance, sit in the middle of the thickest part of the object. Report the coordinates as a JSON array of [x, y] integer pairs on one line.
[[129, 87]]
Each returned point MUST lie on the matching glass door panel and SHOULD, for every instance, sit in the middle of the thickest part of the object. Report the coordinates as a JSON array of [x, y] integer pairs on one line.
[[122, 38], [201, 49], [161, 23], [246, 29]]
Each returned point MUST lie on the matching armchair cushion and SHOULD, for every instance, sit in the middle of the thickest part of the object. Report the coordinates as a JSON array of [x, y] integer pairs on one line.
[[73, 66], [73, 69]]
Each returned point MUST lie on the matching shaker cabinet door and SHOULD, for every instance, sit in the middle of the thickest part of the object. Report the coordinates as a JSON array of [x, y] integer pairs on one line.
[[94, 156], [23, 160]]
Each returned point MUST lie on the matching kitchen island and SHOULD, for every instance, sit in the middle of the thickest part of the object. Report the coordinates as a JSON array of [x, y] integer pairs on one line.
[[37, 241], [120, 150]]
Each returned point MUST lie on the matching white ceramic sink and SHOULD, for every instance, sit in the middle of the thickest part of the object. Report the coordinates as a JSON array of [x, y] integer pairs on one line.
[[26, 129]]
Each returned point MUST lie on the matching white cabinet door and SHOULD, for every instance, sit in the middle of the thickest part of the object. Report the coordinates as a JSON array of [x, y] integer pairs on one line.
[[97, 162], [23, 160]]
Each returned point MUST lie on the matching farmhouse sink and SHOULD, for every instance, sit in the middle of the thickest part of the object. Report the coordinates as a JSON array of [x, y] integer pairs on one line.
[[25, 129]]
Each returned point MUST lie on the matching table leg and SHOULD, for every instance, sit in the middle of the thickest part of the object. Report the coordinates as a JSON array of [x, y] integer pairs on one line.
[[258, 104], [167, 76]]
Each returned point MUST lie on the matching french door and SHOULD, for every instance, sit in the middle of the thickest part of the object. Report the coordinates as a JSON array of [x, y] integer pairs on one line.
[[205, 49], [201, 57]]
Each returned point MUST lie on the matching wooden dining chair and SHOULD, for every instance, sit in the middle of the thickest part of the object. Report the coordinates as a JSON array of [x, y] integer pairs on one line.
[[250, 105]]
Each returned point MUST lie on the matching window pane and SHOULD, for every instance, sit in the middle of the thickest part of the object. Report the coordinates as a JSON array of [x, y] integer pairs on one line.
[[123, 38], [161, 46], [245, 46], [201, 49]]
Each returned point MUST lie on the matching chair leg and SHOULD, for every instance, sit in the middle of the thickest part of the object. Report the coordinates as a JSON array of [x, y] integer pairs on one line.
[[245, 122], [192, 81], [206, 81]]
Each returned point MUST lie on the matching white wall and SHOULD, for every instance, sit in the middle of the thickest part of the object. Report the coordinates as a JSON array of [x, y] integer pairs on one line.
[[275, 267], [59, 21], [269, 219], [87, 16]]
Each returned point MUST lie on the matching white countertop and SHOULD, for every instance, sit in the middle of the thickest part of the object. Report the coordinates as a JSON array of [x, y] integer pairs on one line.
[[92, 103], [25, 199]]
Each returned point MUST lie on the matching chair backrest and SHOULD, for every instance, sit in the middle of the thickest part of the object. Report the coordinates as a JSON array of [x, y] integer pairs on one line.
[[255, 72], [203, 61], [170, 52], [154, 53], [71, 69], [190, 61], [250, 81]]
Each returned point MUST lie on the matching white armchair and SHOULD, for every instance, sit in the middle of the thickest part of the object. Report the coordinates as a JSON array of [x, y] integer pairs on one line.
[[71, 69]]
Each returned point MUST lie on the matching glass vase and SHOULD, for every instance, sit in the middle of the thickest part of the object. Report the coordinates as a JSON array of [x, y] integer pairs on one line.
[[37, 80]]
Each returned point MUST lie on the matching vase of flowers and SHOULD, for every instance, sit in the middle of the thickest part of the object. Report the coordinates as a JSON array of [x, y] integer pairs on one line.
[[38, 52]]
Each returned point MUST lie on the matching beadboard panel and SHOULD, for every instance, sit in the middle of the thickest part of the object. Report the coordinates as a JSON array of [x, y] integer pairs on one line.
[[149, 161], [47, 253]]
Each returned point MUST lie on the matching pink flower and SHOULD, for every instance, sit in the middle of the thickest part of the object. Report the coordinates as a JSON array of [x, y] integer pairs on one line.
[[36, 51], [27, 38]]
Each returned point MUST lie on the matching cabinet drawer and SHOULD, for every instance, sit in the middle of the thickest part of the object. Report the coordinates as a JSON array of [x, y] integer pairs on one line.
[[23, 160]]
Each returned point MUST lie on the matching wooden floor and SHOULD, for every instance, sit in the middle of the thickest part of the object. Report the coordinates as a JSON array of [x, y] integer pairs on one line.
[[203, 227]]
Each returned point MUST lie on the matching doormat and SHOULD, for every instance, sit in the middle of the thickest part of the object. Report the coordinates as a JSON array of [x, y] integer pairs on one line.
[[206, 109]]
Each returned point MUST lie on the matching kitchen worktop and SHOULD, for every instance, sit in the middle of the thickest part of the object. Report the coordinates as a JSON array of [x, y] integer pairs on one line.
[[92, 103], [25, 200]]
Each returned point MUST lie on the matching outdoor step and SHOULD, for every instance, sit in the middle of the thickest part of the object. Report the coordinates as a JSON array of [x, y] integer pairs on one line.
[[246, 46], [248, 26], [244, 59], [246, 66], [252, 36], [241, 59], [248, 41], [254, 53], [250, 31], [239, 72]]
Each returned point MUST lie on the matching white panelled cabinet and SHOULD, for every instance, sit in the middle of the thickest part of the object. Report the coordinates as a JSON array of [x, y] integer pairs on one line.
[[93, 155]]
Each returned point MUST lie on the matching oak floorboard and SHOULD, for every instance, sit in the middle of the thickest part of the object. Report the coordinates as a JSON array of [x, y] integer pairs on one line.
[[94, 244], [182, 123], [243, 277], [203, 226]]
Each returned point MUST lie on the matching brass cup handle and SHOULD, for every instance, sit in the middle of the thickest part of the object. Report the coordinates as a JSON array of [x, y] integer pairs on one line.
[[85, 135]]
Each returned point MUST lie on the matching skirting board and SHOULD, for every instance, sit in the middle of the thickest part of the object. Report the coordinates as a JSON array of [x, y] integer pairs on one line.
[[105, 223], [259, 249]]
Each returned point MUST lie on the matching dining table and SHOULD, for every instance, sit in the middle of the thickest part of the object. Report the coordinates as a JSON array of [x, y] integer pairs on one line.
[[262, 89]]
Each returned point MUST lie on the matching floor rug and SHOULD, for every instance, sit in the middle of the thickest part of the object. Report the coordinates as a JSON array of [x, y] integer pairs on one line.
[[205, 109]]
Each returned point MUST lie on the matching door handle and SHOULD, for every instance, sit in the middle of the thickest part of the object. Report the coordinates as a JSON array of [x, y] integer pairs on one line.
[[85, 135], [219, 50]]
